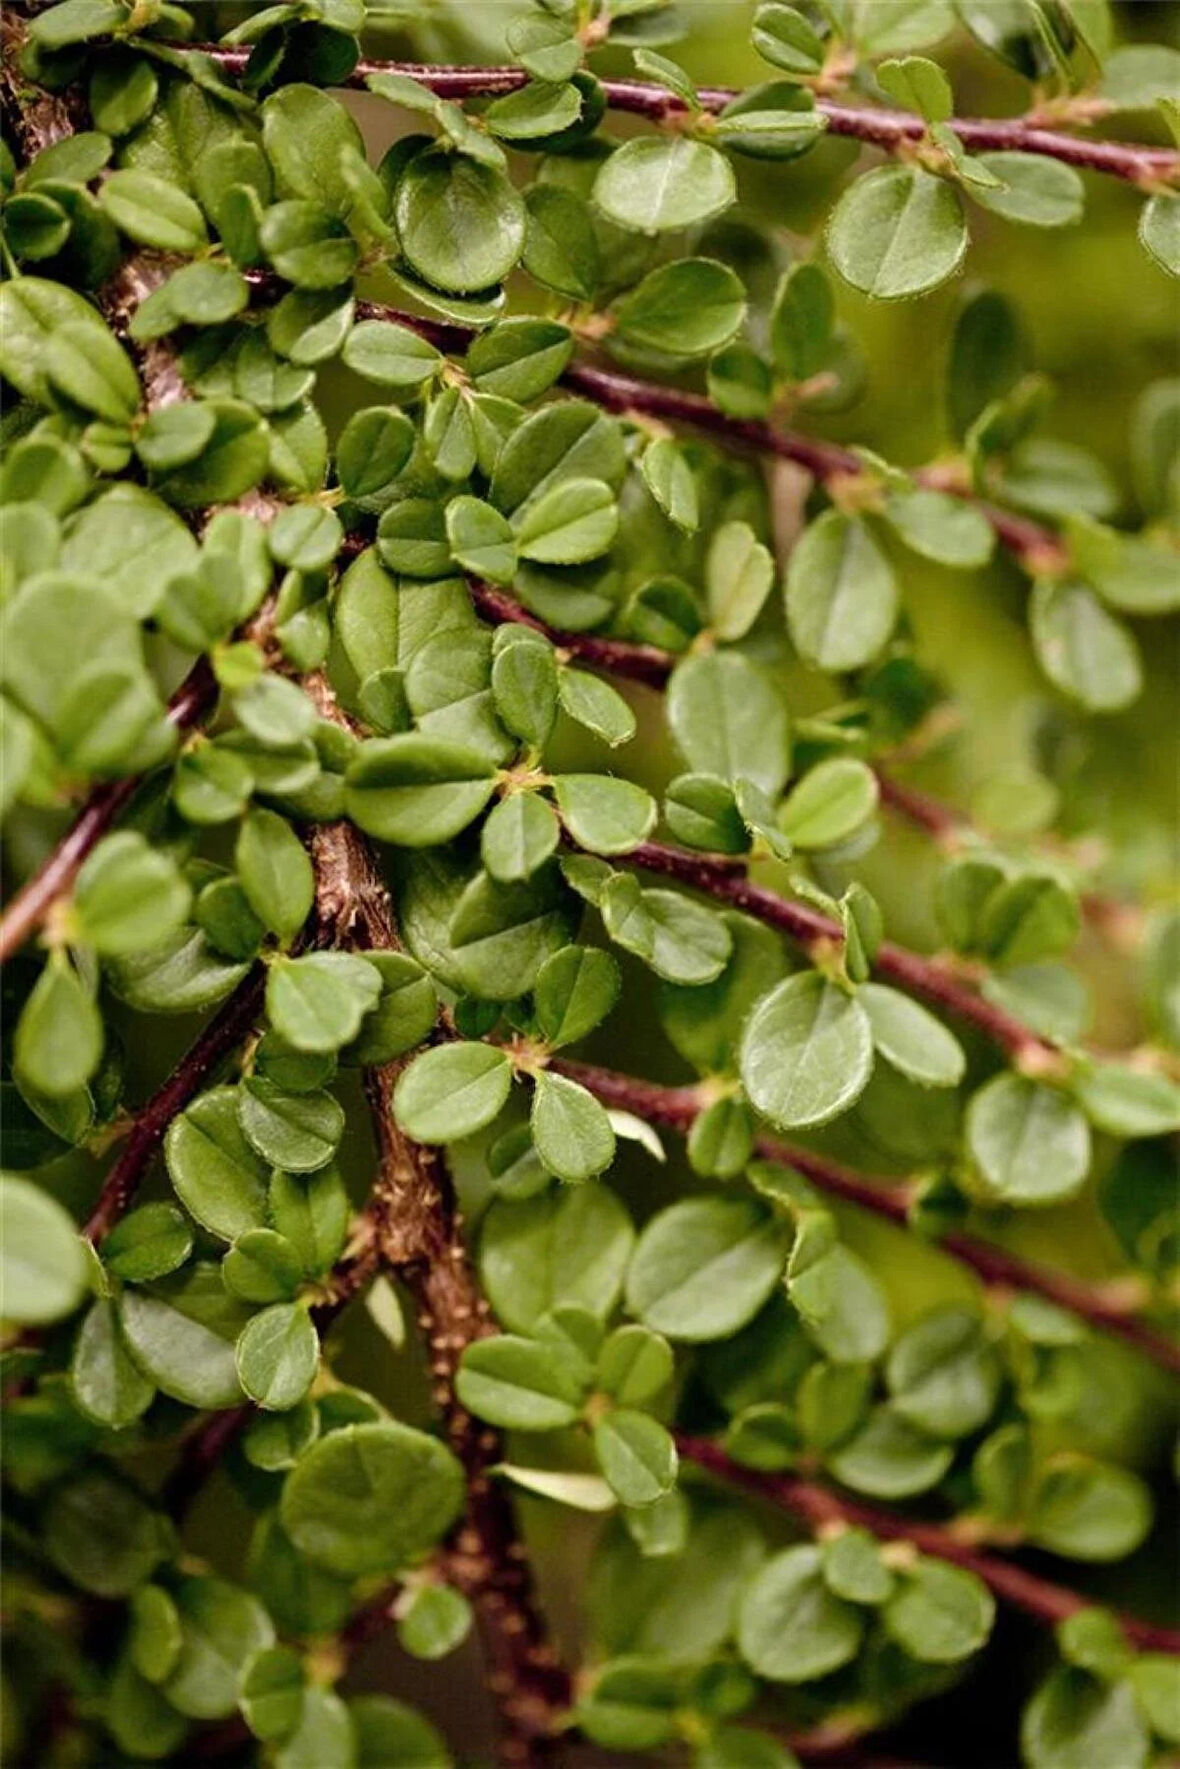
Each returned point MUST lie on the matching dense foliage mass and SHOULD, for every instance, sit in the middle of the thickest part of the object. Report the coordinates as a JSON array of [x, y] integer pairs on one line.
[[551, 672]]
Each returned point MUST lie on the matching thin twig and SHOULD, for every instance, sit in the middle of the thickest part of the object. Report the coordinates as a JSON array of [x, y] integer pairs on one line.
[[191, 703], [820, 1508], [886, 129], [676, 1108], [225, 1032], [812, 931]]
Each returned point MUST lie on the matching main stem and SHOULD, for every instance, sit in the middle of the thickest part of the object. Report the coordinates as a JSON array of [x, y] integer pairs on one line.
[[418, 1237], [821, 1509], [676, 1108], [1133, 161]]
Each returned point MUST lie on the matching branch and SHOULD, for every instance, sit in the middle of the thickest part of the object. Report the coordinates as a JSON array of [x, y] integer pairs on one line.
[[228, 1028], [819, 1508], [809, 929], [418, 1235], [676, 1108], [1038, 548], [1133, 161], [188, 707]]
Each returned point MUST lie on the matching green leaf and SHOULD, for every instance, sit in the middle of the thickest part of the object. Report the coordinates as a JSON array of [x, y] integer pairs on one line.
[[262, 1266], [807, 1052], [480, 539], [295, 1131], [271, 1694], [702, 1268], [918, 84], [729, 720], [791, 1628], [452, 1091], [839, 1299], [560, 250], [460, 222], [942, 1375], [681, 940], [307, 136], [156, 1635], [438, 1620], [605, 815], [897, 232], [854, 1569], [275, 872], [416, 791], [388, 1731], [181, 1335], [573, 521], [102, 1534], [568, 439], [784, 37], [518, 837], [671, 482], [571, 1131], [59, 1036], [545, 47], [518, 1384], [1154, 1679], [107, 1385], [153, 212], [913, 1040], [277, 1356], [632, 1705], [888, 1458], [86, 364], [575, 990], [841, 594], [501, 935], [392, 355], [74, 21], [1083, 650], [1035, 191], [738, 574], [1030, 1144], [637, 1456], [539, 109], [222, 1627], [369, 1498], [701, 812], [634, 1366], [520, 358], [568, 1246], [687, 308], [656, 183], [311, 1211], [148, 1243], [1074, 1718], [43, 1270], [134, 543], [525, 687], [829, 804], [128, 897], [1089, 1510], [1159, 231], [31, 310], [941, 527], [939, 1614], [1128, 1102], [595, 704], [318, 1002]]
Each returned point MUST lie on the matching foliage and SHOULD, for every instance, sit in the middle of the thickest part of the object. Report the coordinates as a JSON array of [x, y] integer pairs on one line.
[[417, 467]]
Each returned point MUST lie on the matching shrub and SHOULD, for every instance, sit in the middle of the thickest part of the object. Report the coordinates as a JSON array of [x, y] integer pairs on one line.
[[553, 673]]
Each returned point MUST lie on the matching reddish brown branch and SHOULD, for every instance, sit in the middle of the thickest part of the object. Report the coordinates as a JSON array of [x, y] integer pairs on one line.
[[887, 129], [229, 1028], [418, 1237], [27, 911], [809, 929], [818, 1507], [676, 1108]]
